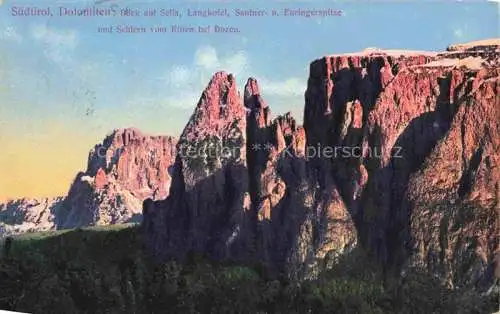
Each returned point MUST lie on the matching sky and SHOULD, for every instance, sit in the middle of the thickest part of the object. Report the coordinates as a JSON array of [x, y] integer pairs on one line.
[[64, 86]]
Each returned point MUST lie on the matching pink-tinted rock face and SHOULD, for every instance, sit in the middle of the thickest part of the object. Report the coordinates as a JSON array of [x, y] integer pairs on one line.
[[209, 181], [455, 192], [254, 205], [407, 117], [410, 175], [123, 171]]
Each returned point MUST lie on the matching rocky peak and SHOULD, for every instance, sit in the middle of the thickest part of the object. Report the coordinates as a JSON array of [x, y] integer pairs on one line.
[[252, 97], [251, 88], [28, 215], [239, 209], [122, 171], [209, 180], [259, 115], [106, 154], [219, 105], [125, 169], [415, 133]]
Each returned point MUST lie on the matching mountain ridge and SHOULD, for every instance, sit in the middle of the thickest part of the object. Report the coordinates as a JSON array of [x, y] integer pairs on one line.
[[416, 184], [297, 213], [109, 191]]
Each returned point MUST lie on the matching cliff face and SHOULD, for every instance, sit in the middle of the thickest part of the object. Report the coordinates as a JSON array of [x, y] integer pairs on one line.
[[426, 132], [398, 154], [240, 189], [296, 222], [124, 170], [209, 178], [456, 190]]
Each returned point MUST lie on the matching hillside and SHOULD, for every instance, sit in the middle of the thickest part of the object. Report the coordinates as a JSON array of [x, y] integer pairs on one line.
[[105, 270]]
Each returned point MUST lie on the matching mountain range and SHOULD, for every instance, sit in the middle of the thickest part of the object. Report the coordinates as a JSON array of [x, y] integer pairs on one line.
[[398, 154]]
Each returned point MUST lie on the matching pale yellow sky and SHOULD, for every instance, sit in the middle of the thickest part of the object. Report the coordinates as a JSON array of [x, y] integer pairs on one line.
[[40, 156], [42, 164]]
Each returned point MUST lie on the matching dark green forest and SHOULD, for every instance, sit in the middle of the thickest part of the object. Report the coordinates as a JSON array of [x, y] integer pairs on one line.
[[107, 270]]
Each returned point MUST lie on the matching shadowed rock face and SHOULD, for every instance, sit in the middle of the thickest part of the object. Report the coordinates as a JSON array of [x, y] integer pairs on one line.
[[296, 222], [410, 173], [456, 190], [398, 154], [257, 204]]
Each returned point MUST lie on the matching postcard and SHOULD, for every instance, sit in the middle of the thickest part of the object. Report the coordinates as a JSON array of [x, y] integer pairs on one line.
[[167, 156]]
